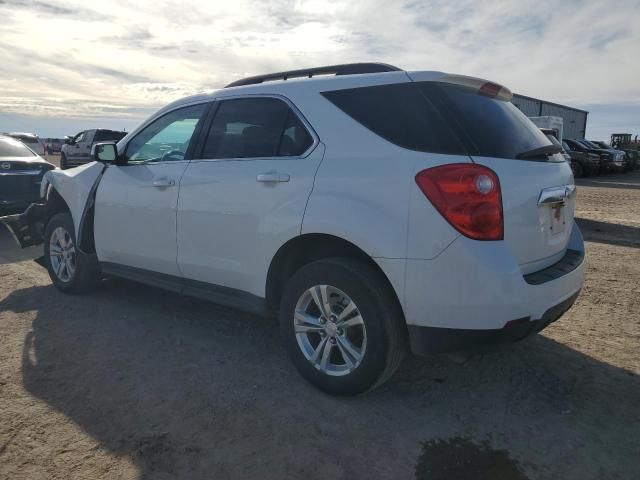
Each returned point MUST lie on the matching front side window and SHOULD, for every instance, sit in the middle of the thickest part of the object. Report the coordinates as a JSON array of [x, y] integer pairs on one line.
[[167, 138], [255, 128], [79, 137]]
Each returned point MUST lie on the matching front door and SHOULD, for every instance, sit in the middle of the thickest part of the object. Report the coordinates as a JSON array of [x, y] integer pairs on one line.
[[246, 193], [135, 217]]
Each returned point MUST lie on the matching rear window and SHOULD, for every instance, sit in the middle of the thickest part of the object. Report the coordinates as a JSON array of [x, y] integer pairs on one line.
[[441, 118], [10, 147], [108, 135], [27, 140], [489, 127]]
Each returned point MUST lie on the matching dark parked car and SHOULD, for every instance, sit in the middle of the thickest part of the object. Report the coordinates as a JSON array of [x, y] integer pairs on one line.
[[21, 171], [606, 158], [582, 163], [628, 163], [77, 150]]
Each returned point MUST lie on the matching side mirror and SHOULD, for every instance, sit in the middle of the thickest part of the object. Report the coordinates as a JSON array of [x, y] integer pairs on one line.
[[106, 152], [68, 141]]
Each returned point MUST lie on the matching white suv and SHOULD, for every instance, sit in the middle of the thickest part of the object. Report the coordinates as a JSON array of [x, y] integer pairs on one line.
[[374, 209]]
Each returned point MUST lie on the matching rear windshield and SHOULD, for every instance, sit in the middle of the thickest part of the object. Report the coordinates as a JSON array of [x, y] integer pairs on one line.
[[489, 127], [552, 139], [10, 147], [25, 139], [441, 118], [104, 135]]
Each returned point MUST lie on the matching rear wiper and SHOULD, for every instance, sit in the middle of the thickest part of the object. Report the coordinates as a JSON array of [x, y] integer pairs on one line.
[[540, 152]]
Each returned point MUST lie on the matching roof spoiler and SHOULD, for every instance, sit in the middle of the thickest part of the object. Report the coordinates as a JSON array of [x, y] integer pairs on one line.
[[483, 87], [343, 69]]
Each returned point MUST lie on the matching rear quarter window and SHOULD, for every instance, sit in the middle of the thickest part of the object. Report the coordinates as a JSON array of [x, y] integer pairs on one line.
[[399, 113]]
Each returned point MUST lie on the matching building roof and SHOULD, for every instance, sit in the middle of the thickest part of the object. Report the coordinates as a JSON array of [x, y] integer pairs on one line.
[[549, 103]]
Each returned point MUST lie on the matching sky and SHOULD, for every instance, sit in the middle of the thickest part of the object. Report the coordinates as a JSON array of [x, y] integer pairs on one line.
[[71, 65]]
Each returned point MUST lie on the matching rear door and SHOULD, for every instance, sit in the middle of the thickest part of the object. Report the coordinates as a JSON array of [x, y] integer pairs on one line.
[[246, 193], [538, 194]]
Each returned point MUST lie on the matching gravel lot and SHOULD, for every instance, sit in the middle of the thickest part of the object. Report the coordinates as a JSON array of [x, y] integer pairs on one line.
[[133, 382]]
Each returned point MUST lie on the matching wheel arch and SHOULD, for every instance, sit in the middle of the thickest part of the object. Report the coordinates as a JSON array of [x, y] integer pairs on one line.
[[307, 248]]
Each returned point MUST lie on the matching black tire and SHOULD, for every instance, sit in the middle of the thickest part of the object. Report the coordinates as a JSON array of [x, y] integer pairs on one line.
[[85, 273], [578, 171], [386, 337], [63, 161]]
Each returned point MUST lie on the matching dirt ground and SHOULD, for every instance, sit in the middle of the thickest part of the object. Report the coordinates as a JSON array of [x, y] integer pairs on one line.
[[131, 382]]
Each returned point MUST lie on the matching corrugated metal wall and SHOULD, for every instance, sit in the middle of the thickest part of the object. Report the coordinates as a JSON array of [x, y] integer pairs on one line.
[[574, 121]]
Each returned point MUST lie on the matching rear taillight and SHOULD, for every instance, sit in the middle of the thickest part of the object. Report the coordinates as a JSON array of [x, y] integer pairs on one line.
[[468, 196]]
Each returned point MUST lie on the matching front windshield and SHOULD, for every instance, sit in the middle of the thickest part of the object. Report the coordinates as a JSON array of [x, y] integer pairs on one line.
[[10, 147]]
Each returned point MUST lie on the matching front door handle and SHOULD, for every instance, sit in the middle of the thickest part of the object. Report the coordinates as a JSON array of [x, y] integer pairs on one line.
[[273, 177], [163, 182]]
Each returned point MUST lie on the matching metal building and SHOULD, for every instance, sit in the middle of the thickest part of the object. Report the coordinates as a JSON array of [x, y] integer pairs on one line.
[[575, 120]]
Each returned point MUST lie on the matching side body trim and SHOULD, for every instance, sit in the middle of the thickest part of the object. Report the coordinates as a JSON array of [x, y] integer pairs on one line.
[[229, 297]]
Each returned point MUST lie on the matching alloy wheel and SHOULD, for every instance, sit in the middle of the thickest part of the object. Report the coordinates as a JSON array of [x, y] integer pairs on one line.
[[62, 254], [330, 330]]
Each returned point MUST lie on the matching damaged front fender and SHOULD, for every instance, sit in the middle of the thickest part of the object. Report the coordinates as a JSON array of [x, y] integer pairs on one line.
[[74, 191]]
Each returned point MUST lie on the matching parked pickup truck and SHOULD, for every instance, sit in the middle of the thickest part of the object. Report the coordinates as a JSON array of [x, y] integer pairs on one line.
[[77, 150], [583, 163]]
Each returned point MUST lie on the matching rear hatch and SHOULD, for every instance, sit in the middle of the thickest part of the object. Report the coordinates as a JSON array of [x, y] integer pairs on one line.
[[538, 192]]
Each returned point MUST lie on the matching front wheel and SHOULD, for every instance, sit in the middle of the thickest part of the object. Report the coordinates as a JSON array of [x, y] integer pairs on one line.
[[71, 271], [578, 171], [63, 161], [342, 326]]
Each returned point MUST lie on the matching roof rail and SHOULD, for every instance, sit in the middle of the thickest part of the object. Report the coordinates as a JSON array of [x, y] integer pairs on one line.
[[344, 69]]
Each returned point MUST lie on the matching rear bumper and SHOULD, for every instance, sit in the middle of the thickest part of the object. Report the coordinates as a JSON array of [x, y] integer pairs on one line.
[[432, 340], [476, 290]]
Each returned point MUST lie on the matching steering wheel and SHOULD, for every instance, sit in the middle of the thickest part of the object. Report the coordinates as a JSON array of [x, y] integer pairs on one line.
[[171, 153]]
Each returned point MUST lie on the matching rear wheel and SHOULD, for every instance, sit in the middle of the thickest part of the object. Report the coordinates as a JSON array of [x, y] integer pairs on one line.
[[70, 270], [342, 326]]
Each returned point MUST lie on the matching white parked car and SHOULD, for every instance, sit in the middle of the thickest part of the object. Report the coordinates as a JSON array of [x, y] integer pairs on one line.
[[375, 210], [31, 140]]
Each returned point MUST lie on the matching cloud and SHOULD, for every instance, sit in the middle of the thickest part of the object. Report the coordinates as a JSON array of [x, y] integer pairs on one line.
[[70, 58], [40, 8]]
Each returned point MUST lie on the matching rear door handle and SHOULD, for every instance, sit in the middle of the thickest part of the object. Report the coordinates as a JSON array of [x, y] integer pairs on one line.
[[273, 177], [163, 182]]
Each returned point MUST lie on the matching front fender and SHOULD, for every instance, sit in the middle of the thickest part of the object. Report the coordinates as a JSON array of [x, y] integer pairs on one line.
[[75, 186]]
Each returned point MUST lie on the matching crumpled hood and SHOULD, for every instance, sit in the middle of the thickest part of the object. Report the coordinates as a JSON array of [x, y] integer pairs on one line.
[[74, 186]]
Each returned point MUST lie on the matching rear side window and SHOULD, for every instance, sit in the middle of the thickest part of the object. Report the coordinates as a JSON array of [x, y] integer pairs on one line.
[[254, 128], [399, 113], [489, 127]]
